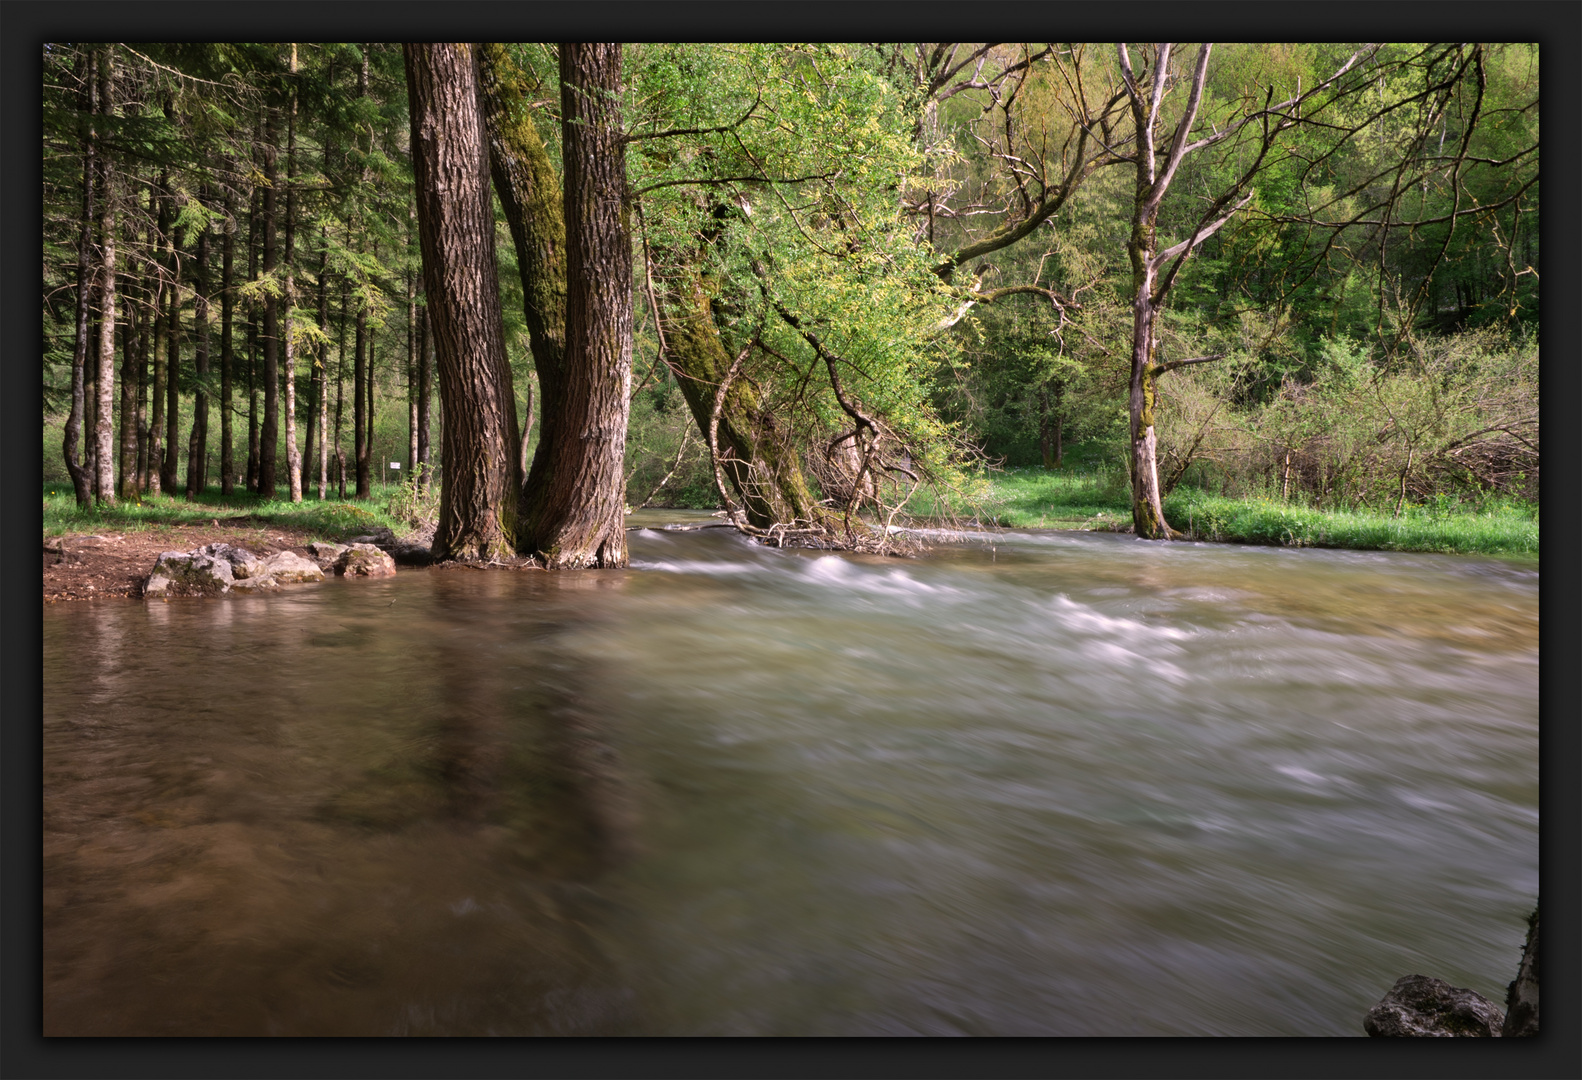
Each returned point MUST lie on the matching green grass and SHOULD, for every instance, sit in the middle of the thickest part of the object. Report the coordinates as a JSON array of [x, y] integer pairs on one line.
[[1505, 529], [328, 520], [1033, 498]]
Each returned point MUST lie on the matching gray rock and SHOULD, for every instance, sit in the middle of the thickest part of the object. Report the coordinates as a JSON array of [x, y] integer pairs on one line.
[[1521, 998], [325, 554], [281, 568], [364, 560], [244, 564], [188, 573], [1420, 1007]]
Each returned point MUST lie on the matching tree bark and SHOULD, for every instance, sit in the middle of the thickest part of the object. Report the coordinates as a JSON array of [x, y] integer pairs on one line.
[[270, 435], [576, 517], [530, 193], [81, 481], [479, 498], [104, 380], [227, 357], [293, 452], [127, 485], [198, 445]]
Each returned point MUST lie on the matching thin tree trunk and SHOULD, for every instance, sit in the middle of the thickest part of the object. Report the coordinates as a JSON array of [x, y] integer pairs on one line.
[[127, 486], [81, 481], [479, 498], [159, 287], [577, 517], [425, 396], [227, 303], [340, 382], [359, 402], [140, 314], [411, 364], [312, 450], [253, 452], [198, 447], [169, 472], [104, 432], [293, 452], [270, 435]]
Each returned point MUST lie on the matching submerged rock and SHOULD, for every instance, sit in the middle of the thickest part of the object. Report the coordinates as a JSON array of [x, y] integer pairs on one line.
[[1420, 1007], [364, 560]]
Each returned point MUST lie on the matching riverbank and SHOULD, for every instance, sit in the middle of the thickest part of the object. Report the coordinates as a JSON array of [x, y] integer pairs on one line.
[[1096, 500], [100, 554]]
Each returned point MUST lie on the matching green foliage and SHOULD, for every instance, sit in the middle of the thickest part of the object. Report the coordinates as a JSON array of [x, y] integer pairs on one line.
[[327, 520]]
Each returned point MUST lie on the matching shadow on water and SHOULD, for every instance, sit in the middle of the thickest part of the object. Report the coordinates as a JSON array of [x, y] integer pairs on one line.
[[303, 816]]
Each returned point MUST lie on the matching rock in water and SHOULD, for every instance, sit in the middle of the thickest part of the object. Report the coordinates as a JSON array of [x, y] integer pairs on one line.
[[244, 564], [325, 554], [1521, 999], [364, 560], [1420, 1007], [182, 573]]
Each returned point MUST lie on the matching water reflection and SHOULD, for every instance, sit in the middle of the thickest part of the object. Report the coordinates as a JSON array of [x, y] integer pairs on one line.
[[741, 791]]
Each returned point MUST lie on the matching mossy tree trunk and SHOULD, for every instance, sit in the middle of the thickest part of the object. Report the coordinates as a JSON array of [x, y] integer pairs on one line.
[[573, 515], [479, 498]]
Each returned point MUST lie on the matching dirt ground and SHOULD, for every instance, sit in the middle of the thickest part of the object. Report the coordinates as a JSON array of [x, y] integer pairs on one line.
[[114, 565]]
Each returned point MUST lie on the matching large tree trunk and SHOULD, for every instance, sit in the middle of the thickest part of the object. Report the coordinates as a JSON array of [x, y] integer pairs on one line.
[[576, 516], [104, 381], [530, 193], [81, 482], [270, 435], [479, 498]]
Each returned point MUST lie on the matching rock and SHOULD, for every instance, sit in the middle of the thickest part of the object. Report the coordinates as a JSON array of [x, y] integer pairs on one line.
[[281, 568], [1521, 998], [244, 564], [408, 552], [188, 573], [364, 560], [1420, 1007], [325, 554]]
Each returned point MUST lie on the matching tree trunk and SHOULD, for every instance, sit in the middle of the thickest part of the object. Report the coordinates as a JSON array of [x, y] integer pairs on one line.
[[411, 366], [340, 381], [159, 287], [270, 435], [313, 449], [198, 446], [252, 344], [293, 452], [530, 193], [576, 517], [81, 482], [760, 461], [1148, 516], [479, 499], [227, 304], [170, 467], [104, 379], [127, 485], [359, 400]]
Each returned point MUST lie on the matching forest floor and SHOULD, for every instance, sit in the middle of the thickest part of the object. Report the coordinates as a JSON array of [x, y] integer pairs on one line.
[[114, 564]]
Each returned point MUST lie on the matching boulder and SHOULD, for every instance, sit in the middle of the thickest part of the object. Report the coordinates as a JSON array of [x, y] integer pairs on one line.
[[1521, 998], [408, 552], [325, 554], [244, 564], [1420, 1007], [364, 560], [188, 573], [281, 568]]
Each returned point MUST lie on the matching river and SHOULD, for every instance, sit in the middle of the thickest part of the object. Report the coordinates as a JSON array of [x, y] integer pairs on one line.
[[1052, 784]]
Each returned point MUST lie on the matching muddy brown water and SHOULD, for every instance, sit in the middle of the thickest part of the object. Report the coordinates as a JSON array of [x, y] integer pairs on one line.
[[1060, 784]]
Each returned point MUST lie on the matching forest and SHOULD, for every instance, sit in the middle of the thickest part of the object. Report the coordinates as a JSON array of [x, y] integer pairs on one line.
[[823, 288]]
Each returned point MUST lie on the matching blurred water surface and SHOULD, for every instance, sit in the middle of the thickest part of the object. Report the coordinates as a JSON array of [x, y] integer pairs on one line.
[[1057, 784]]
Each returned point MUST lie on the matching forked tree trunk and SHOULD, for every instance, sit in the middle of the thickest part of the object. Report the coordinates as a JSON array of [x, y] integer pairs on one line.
[[478, 501], [576, 516]]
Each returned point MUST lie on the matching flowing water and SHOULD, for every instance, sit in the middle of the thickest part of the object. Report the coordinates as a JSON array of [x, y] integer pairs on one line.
[[1061, 784]]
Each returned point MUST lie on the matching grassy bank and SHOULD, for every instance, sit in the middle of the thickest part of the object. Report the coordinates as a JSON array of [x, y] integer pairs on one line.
[[328, 520], [1096, 499]]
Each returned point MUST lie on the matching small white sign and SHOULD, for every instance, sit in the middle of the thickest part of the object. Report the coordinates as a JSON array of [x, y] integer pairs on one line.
[[395, 464]]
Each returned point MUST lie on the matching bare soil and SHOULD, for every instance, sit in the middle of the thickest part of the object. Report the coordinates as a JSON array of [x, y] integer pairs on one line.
[[114, 565]]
